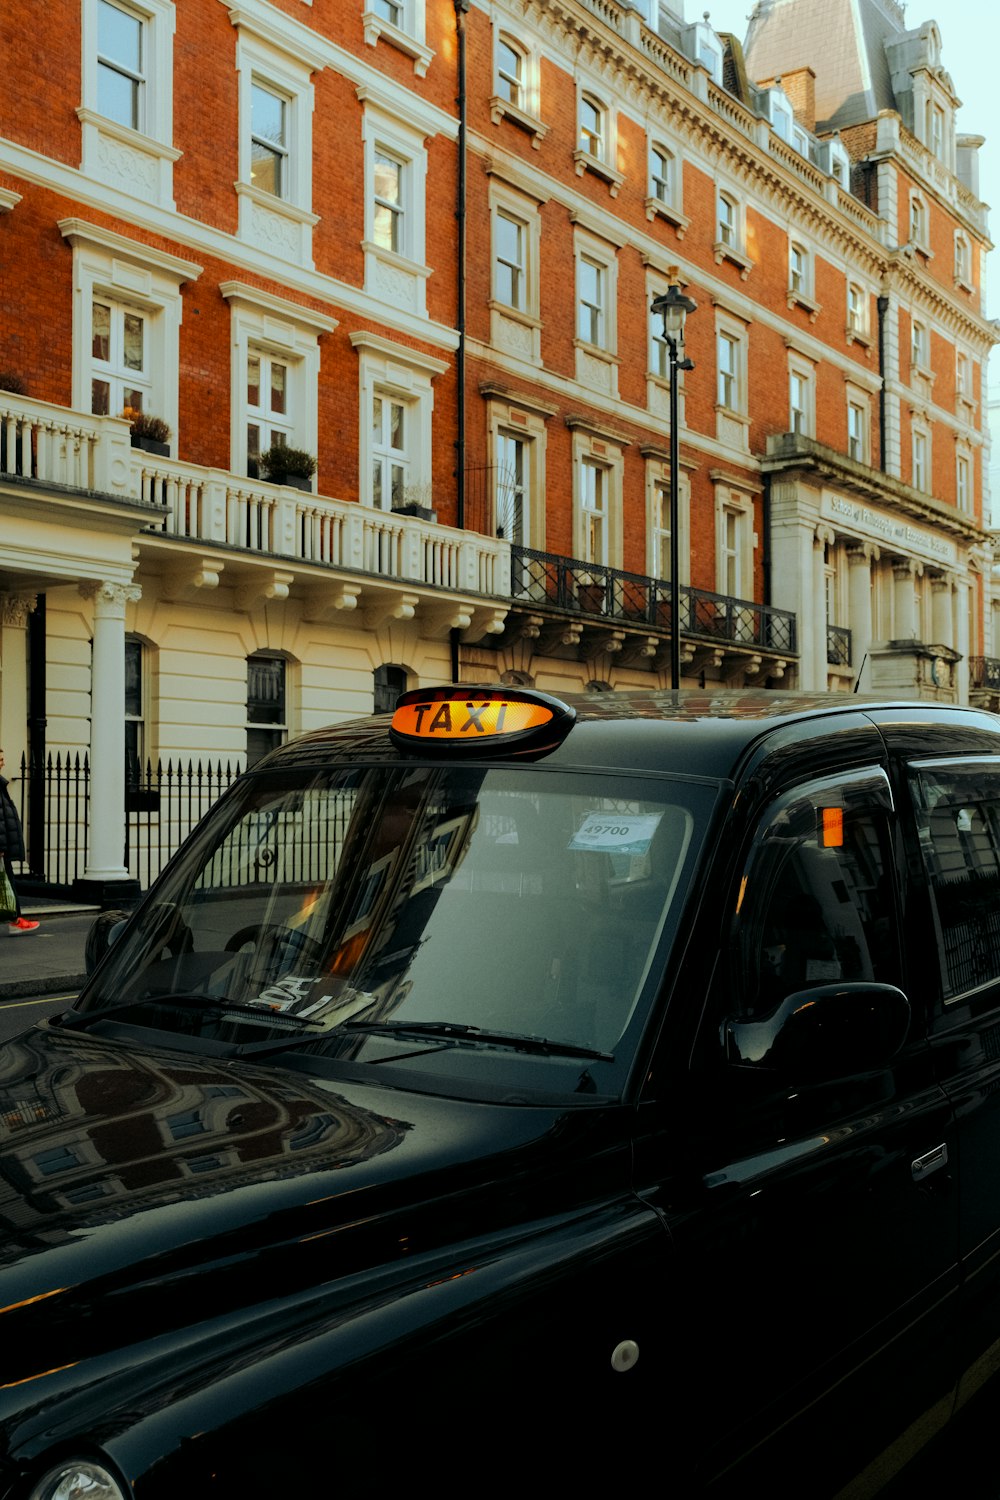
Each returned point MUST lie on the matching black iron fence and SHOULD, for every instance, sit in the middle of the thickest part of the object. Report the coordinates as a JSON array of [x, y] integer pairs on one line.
[[162, 806], [587, 588]]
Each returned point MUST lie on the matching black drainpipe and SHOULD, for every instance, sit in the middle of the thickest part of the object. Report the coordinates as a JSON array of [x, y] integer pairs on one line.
[[461, 11], [883, 308]]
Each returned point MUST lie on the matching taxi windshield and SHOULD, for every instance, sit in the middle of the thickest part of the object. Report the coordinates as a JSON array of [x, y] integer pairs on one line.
[[397, 911]]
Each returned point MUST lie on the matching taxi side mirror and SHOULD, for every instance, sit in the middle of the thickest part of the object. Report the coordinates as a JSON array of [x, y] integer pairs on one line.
[[820, 1034]]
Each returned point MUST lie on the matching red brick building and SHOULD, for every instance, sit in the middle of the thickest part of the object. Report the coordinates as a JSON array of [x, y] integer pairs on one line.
[[384, 274]]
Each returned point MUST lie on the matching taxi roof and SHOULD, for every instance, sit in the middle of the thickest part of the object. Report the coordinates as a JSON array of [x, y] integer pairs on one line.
[[704, 733]]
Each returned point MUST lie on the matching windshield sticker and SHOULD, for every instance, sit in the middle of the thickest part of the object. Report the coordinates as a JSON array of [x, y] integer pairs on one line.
[[616, 833]]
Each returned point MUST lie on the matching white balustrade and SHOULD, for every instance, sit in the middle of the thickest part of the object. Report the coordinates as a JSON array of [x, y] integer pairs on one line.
[[47, 443]]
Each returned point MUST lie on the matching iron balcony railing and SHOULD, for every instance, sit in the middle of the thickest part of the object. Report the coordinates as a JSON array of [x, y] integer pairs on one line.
[[588, 589], [838, 646], [984, 672]]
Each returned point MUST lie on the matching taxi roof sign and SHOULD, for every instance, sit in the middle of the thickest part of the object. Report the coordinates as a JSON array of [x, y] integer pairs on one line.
[[494, 719]]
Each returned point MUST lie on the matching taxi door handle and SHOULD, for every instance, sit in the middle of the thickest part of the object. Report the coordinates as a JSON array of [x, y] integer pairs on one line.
[[929, 1162]]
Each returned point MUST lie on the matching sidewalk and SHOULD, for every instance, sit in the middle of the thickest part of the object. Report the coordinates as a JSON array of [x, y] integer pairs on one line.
[[49, 960]]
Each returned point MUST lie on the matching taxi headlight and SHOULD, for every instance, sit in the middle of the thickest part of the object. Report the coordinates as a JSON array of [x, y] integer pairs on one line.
[[77, 1479]]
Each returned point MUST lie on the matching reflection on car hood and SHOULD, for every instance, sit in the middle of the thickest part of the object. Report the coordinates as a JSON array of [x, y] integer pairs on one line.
[[147, 1191]]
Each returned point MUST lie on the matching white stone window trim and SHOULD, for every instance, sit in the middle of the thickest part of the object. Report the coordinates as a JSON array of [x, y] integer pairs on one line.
[[860, 400], [509, 419], [802, 293], [735, 330], [963, 262], [669, 208], [526, 112], [858, 331], [288, 332], [920, 348], [592, 247], [409, 38], [658, 479], [139, 162], [284, 72], [919, 224], [518, 330], [965, 403], [109, 264], [607, 454], [805, 371], [733, 502], [399, 276], [920, 454], [391, 370], [964, 456], [657, 384], [601, 163], [732, 250]]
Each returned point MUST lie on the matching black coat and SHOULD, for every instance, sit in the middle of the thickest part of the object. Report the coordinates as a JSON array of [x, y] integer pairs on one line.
[[11, 837]]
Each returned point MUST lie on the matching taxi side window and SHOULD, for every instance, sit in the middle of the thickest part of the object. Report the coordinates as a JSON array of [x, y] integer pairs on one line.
[[957, 808], [815, 903]]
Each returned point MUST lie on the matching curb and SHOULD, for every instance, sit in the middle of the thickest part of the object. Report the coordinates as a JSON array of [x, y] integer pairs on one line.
[[50, 984]]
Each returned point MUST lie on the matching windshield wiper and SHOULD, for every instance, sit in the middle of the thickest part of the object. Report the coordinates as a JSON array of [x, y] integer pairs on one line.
[[77, 1020], [462, 1032]]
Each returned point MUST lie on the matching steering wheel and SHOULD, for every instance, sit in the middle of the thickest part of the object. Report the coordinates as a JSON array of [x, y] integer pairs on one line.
[[269, 939]]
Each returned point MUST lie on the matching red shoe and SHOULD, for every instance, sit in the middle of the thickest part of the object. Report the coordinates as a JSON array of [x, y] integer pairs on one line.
[[22, 925]]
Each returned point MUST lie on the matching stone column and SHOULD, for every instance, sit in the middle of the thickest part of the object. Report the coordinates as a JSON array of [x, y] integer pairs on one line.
[[106, 828], [822, 536], [14, 612], [903, 572], [942, 613], [859, 600], [962, 641]]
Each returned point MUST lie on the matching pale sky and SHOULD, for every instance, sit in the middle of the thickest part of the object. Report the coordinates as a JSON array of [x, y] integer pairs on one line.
[[970, 35]]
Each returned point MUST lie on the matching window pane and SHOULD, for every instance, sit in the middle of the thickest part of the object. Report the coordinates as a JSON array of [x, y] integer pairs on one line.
[[265, 690], [398, 477], [377, 483], [253, 380], [387, 178], [133, 342], [267, 115], [279, 375], [119, 36], [100, 398], [117, 97], [377, 419], [265, 169], [396, 435], [101, 347]]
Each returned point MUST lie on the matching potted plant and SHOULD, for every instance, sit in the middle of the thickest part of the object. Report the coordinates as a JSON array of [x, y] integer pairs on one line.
[[13, 385], [283, 465], [416, 502], [151, 434]]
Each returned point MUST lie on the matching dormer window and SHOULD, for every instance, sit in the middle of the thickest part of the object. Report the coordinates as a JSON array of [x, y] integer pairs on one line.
[[704, 46], [780, 112]]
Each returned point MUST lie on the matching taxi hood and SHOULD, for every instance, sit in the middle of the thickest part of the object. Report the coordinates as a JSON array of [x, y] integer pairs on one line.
[[148, 1190]]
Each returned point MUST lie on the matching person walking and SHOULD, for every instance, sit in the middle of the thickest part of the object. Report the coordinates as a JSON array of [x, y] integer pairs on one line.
[[12, 847]]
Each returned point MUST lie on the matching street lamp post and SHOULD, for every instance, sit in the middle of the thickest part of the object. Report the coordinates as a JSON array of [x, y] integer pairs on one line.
[[674, 307]]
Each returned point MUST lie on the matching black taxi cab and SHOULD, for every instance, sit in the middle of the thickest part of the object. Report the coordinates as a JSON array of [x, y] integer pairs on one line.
[[511, 1087]]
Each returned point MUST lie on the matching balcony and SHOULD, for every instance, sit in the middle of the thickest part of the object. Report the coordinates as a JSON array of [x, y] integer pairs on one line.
[[838, 646], [266, 537], [580, 604], [984, 682]]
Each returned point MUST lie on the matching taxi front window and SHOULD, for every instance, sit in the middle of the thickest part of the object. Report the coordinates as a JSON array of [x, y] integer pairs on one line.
[[367, 906]]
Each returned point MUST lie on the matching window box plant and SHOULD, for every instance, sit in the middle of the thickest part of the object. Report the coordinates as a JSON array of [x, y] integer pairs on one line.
[[416, 501], [283, 465], [149, 433]]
